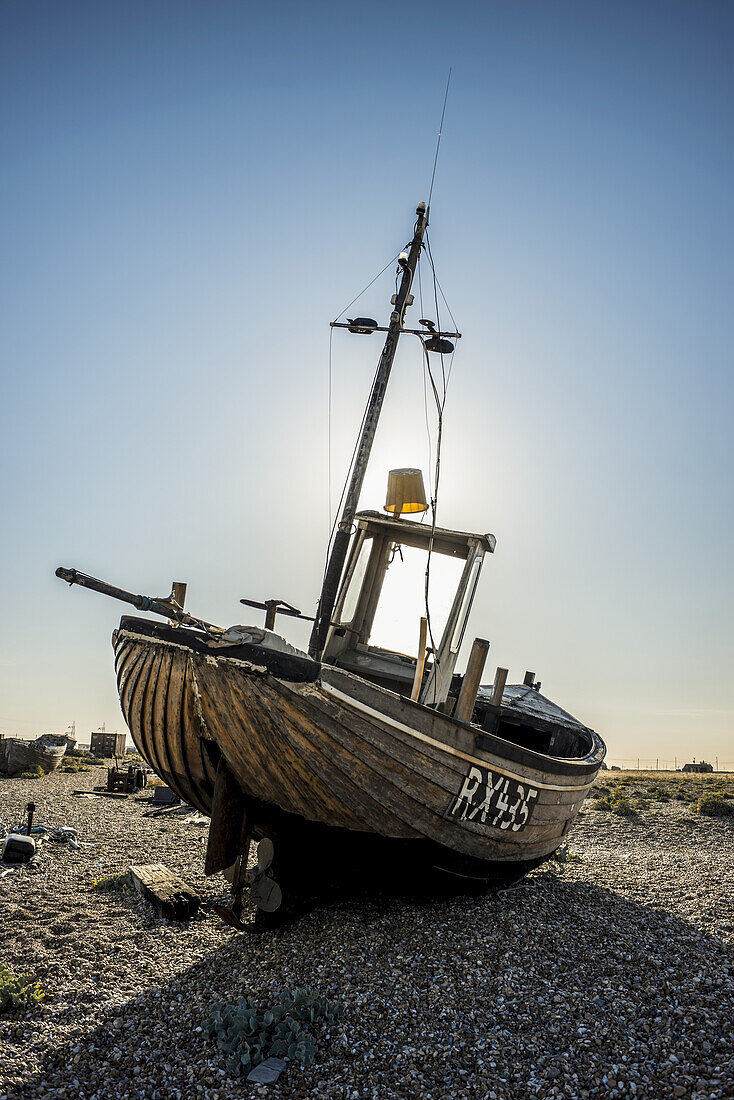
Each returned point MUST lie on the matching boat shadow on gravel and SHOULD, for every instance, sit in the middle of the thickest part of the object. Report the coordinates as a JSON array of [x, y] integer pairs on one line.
[[553, 959]]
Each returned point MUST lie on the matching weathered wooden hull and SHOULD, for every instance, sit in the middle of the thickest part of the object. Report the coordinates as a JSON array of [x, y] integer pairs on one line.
[[334, 754], [19, 756]]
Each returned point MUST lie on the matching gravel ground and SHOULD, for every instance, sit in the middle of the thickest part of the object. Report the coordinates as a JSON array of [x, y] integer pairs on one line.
[[609, 977]]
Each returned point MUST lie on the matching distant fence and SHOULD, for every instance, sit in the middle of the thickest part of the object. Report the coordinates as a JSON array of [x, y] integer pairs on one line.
[[657, 764]]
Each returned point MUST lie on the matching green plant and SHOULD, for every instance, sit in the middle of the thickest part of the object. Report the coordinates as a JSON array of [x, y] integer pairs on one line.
[[616, 803], [32, 773], [108, 883], [83, 756], [565, 855], [713, 805], [20, 991], [73, 766], [247, 1034]]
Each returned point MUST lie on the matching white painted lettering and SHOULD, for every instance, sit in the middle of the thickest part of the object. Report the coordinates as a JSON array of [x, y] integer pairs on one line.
[[467, 792]]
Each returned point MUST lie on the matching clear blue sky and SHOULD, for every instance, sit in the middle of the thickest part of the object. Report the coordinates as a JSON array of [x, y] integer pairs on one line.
[[189, 192]]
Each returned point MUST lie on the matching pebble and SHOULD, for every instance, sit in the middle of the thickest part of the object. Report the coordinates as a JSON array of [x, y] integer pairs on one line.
[[611, 977]]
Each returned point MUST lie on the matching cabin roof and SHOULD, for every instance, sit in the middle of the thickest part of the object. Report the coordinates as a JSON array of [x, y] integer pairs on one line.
[[409, 533]]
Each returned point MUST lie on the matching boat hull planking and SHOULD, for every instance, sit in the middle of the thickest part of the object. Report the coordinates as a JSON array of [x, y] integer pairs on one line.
[[18, 756], [322, 754]]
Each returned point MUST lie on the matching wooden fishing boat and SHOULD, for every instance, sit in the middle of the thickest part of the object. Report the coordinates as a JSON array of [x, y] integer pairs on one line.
[[355, 758], [17, 755]]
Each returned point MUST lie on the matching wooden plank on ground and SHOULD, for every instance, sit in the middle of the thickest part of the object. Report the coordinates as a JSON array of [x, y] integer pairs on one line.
[[169, 895], [102, 794]]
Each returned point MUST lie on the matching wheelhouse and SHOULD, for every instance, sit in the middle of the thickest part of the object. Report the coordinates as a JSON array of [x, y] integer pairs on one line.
[[378, 541]]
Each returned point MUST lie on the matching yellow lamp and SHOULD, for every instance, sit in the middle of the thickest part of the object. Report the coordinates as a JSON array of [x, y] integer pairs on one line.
[[405, 492]]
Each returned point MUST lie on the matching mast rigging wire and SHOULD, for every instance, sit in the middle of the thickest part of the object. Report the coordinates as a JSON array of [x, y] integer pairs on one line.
[[439, 399], [377, 276], [364, 415], [333, 523]]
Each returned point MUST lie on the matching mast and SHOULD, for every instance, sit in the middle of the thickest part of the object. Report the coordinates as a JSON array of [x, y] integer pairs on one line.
[[340, 545]]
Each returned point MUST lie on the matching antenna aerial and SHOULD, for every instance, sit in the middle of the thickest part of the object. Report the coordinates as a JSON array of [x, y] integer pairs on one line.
[[438, 142]]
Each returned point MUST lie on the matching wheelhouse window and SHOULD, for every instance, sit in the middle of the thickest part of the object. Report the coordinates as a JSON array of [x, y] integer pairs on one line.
[[403, 600], [458, 635], [354, 586]]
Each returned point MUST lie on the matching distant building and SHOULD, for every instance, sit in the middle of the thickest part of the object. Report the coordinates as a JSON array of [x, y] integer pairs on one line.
[[107, 744], [701, 766]]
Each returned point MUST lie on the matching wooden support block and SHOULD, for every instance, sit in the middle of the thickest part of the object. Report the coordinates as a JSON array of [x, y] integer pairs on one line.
[[169, 895], [228, 824], [470, 684]]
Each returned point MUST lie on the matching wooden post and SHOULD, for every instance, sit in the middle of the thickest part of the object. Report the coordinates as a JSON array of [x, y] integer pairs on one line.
[[420, 664], [270, 612], [500, 679], [340, 545], [470, 684], [529, 680], [178, 593]]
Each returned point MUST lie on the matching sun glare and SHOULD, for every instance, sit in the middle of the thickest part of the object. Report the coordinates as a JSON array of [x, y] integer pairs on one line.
[[402, 601]]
